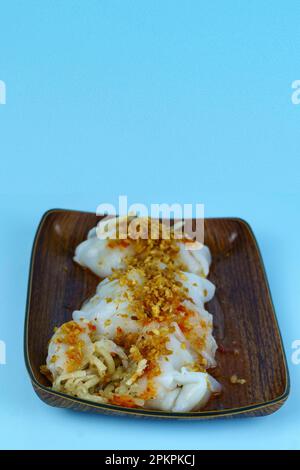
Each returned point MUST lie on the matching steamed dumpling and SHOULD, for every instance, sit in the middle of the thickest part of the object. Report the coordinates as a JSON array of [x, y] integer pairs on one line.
[[177, 388], [196, 260], [69, 347], [101, 256], [110, 308]]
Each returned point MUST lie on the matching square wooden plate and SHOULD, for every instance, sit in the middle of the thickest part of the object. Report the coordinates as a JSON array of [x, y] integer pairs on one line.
[[246, 328]]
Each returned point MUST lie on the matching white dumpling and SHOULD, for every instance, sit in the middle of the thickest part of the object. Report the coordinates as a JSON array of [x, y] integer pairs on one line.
[[110, 309], [193, 395], [200, 289], [177, 388], [57, 359], [201, 322], [96, 255], [196, 261]]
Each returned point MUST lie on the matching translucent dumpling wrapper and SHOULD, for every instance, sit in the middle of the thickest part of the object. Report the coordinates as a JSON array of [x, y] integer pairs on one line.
[[177, 388], [110, 309], [196, 260], [62, 351], [102, 256], [187, 393]]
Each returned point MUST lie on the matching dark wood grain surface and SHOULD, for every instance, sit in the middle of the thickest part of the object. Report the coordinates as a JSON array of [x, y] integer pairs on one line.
[[246, 329]]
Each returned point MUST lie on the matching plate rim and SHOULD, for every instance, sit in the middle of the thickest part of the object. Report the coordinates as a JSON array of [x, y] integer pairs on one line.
[[115, 409]]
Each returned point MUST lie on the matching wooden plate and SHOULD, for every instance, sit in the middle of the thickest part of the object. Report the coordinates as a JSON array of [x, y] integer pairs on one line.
[[246, 328]]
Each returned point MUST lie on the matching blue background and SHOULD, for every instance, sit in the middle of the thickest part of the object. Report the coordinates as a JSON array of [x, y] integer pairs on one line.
[[164, 102]]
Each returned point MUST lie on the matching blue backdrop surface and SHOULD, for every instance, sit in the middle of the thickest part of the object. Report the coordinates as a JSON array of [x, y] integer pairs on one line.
[[164, 102]]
